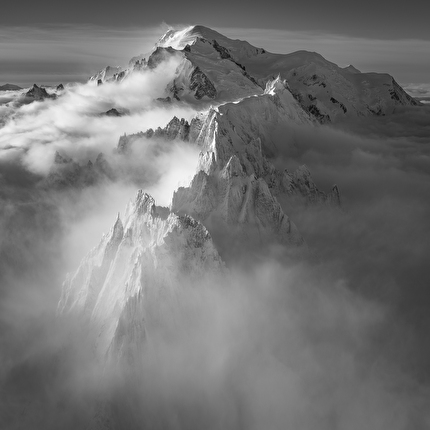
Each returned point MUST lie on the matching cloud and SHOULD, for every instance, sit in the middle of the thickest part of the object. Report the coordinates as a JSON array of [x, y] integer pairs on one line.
[[337, 339], [46, 231], [379, 241], [417, 90], [74, 123]]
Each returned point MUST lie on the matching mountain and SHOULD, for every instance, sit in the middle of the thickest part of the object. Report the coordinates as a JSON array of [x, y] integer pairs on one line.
[[38, 93], [148, 254], [67, 173], [235, 190], [9, 87], [323, 88], [216, 68], [250, 105], [106, 74], [236, 184]]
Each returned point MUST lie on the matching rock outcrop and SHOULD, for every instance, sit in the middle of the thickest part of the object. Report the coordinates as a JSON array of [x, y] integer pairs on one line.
[[68, 173], [175, 129], [38, 93], [236, 186], [148, 255]]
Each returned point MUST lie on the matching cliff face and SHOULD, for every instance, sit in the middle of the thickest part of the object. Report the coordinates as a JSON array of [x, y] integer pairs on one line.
[[237, 141], [146, 255]]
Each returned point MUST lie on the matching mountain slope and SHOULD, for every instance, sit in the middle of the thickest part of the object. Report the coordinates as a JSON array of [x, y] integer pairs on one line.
[[236, 186], [325, 90], [146, 256], [154, 250]]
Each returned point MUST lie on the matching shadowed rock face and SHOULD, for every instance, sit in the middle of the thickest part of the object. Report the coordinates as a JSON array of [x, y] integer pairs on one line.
[[158, 56], [175, 129], [202, 86], [38, 93], [67, 173], [398, 94], [151, 249]]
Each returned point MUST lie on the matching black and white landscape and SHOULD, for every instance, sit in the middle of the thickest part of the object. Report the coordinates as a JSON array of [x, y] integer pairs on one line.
[[215, 236]]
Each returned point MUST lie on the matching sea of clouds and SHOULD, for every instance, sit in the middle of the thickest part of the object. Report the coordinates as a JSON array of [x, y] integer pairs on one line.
[[336, 339]]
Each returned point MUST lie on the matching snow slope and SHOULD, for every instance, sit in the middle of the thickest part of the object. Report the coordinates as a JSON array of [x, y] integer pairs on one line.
[[325, 90]]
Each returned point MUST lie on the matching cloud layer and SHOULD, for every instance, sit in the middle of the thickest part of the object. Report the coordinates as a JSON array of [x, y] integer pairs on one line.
[[336, 339]]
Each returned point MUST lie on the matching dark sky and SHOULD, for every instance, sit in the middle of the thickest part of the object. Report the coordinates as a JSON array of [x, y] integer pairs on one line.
[[365, 18]]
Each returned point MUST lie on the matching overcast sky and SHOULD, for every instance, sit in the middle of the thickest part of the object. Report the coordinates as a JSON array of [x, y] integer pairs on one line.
[[47, 45], [375, 19]]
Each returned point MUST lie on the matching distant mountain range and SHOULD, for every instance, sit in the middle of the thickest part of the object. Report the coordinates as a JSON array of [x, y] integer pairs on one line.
[[9, 87]]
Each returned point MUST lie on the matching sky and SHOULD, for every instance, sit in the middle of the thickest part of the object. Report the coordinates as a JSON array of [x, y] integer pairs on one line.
[[49, 45]]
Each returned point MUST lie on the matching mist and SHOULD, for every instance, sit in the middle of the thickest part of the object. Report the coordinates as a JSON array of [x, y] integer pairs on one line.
[[47, 226], [335, 339]]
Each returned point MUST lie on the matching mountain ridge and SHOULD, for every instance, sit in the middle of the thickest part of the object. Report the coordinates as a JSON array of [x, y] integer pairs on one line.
[[325, 90]]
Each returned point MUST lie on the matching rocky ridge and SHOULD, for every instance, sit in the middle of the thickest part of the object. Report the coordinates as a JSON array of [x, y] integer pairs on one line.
[[216, 68], [236, 199], [68, 173], [148, 254], [38, 93]]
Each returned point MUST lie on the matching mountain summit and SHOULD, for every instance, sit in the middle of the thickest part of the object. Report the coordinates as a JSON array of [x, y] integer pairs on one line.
[[217, 68]]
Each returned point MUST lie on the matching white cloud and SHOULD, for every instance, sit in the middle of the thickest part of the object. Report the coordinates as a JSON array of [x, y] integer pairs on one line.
[[72, 124], [417, 90]]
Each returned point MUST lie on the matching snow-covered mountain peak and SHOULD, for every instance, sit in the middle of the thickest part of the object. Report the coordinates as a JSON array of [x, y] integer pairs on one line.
[[179, 39], [217, 69], [144, 257]]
